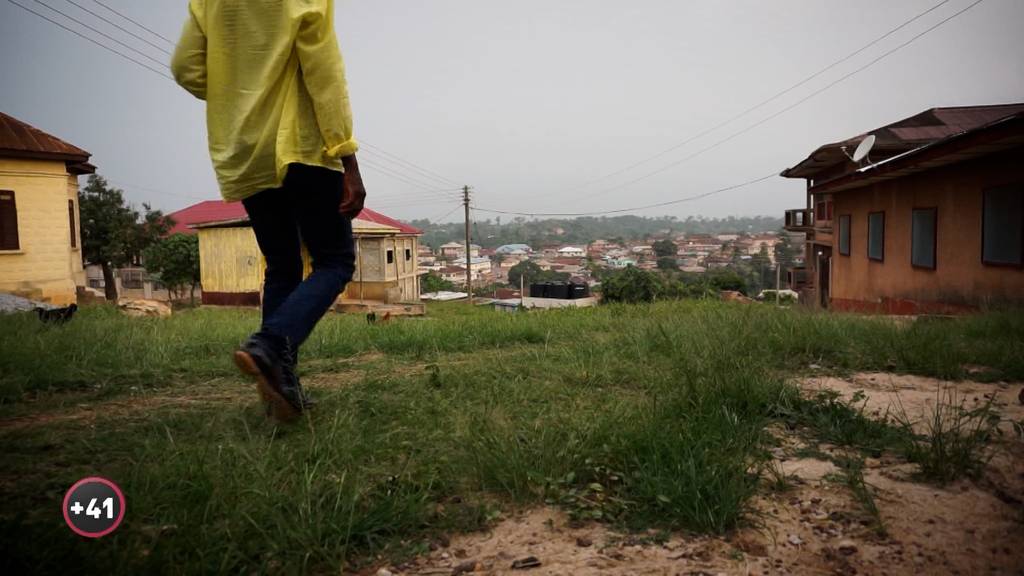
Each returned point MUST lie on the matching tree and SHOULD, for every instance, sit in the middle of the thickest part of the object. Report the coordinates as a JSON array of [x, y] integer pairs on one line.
[[524, 272], [432, 282], [112, 234], [785, 255], [698, 286], [528, 272], [595, 270], [175, 262], [664, 248], [727, 279], [152, 228], [762, 270], [107, 228], [668, 263], [632, 285]]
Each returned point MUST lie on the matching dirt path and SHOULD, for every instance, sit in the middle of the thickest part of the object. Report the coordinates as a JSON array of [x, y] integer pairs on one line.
[[816, 526]]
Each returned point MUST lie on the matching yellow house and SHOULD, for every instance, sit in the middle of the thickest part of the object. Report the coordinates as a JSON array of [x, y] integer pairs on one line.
[[232, 267], [40, 241]]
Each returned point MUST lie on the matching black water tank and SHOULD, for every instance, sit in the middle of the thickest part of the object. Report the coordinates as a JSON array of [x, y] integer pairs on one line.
[[537, 290], [559, 290], [579, 290]]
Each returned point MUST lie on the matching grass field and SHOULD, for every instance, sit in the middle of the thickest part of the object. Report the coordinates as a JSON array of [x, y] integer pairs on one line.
[[643, 416]]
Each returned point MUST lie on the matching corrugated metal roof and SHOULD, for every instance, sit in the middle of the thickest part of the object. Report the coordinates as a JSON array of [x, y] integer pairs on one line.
[[208, 211], [904, 135], [220, 211], [23, 140], [998, 136]]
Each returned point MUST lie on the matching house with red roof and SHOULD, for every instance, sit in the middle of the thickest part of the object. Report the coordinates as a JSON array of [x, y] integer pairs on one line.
[[220, 211], [40, 237], [232, 267]]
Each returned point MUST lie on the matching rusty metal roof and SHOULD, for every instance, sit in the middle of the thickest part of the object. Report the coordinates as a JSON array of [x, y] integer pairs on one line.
[[902, 136], [1002, 135], [21, 140]]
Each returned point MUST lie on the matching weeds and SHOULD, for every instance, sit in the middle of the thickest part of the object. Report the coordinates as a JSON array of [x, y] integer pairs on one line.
[[954, 439], [843, 423], [646, 416], [777, 479], [851, 474]]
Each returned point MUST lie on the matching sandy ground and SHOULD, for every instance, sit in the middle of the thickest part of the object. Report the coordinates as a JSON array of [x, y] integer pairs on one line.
[[816, 526]]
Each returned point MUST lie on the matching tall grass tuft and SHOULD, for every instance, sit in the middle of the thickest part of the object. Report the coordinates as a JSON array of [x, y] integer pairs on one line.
[[954, 440]]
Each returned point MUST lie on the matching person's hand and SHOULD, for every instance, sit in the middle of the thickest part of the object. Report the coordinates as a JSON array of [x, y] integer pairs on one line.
[[353, 193]]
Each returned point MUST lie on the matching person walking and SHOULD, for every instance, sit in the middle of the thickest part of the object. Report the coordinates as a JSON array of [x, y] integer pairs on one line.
[[279, 125]]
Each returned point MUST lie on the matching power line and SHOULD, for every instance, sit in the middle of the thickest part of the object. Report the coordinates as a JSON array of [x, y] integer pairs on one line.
[[397, 166], [428, 205], [446, 214], [158, 35], [129, 185], [432, 190], [425, 172], [393, 203], [94, 41], [635, 208], [419, 195], [388, 171], [115, 25], [414, 197], [398, 176], [791, 106], [374, 160], [384, 153], [770, 99], [101, 33]]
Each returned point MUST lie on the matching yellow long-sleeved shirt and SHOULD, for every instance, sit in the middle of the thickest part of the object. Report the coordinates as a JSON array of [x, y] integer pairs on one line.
[[274, 84]]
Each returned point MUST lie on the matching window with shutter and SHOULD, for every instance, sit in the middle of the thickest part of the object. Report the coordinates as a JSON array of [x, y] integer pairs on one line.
[[1002, 235], [923, 237], [844, 234], [71, 221], [8, 221], [876, 236]]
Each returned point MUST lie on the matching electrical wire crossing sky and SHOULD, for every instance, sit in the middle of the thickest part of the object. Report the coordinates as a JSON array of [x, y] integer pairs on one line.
[[568, 108]]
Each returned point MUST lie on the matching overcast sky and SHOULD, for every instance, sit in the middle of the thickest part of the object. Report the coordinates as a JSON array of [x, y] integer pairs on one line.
[[530, 102]]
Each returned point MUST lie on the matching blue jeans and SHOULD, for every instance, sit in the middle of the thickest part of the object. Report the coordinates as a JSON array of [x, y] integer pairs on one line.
[[303, 210]]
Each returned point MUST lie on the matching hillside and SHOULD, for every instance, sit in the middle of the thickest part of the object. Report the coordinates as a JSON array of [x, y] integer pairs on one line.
[[671, 427]]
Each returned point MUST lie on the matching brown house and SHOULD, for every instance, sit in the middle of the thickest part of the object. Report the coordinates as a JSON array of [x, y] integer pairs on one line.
[[931, 222]]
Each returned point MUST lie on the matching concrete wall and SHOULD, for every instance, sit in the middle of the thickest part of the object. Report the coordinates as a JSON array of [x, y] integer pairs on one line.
[[45, 267], [960, 279], [230, 260], [378, 276]]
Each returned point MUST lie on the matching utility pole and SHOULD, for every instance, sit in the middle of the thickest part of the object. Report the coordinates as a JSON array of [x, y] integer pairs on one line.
[[778, 282], [469, 261]]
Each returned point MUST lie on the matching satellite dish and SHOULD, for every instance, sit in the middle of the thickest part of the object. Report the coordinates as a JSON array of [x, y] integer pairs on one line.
[[863, 148]]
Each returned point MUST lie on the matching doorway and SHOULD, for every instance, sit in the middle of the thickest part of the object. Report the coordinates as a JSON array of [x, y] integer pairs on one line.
[[824, 256]]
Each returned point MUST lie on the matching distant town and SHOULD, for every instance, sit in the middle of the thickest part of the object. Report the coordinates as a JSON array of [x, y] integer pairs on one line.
[[500, 271]]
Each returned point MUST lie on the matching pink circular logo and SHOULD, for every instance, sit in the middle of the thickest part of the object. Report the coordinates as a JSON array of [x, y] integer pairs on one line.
[[94, 507]]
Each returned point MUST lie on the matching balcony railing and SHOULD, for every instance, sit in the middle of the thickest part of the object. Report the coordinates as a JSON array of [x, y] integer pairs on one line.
[[799, 220]]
